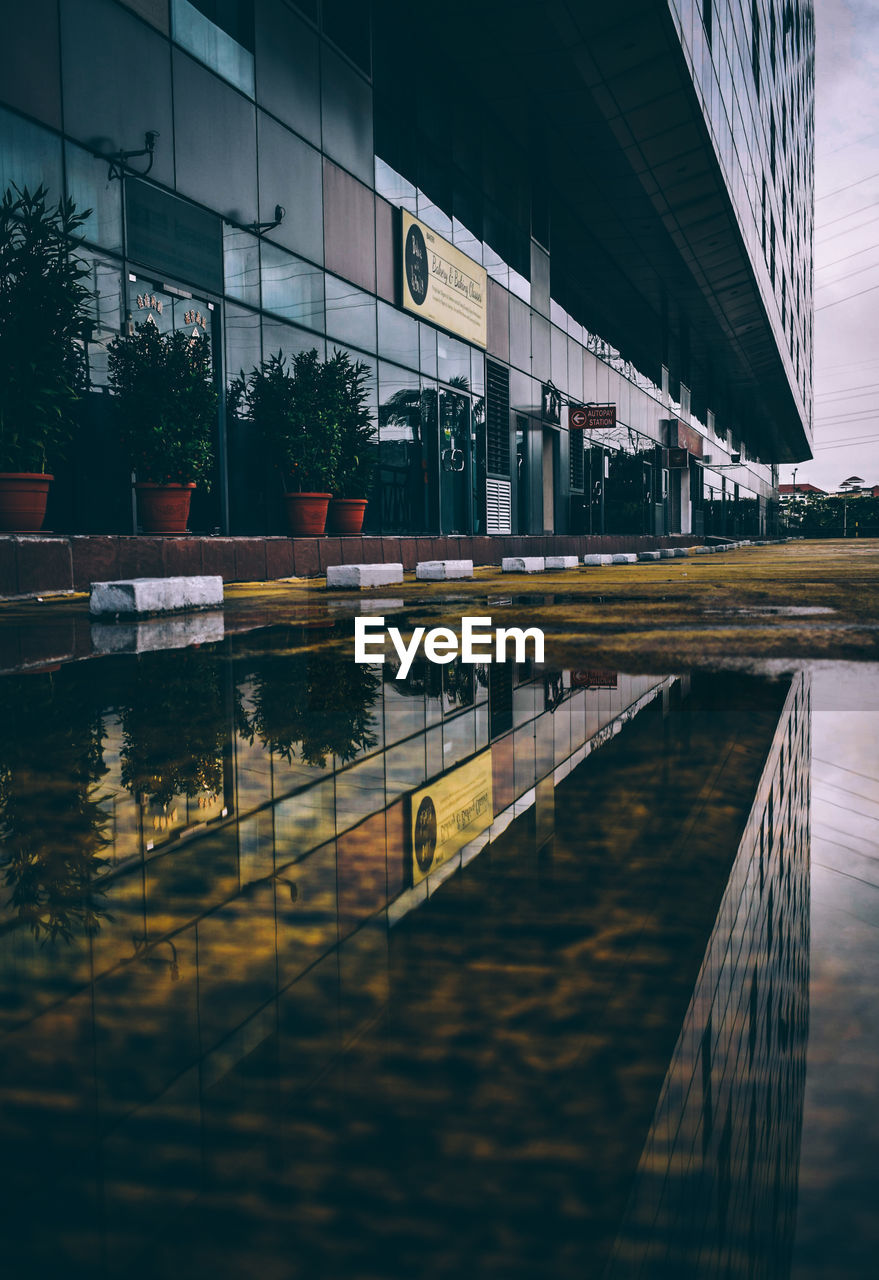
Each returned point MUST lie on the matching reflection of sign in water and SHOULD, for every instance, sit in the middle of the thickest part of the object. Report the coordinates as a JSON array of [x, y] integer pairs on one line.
[[449, 813], [424, 834], [441, 284], [593, 679]]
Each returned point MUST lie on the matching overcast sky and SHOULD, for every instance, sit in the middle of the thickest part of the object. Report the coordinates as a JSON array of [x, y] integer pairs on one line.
[[846, 245]]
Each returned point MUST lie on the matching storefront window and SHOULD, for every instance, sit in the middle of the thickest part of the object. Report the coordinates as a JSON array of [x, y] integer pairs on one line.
[[404, 486], [104, 283]]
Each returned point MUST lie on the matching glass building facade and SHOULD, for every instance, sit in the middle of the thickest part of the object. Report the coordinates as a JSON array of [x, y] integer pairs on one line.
[[641, 206]]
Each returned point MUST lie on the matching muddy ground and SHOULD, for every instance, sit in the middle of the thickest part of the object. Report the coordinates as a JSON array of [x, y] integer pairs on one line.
[[800, 600]]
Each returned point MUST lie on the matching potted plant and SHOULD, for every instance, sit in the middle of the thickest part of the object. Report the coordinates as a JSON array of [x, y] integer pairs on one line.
[[43, 310], [348, 400], [166, 408], [290, 408]]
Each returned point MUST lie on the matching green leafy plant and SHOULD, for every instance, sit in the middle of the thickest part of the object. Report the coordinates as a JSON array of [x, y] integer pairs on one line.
[[165, 402], [43, 310], [347, 398], [314, 418]]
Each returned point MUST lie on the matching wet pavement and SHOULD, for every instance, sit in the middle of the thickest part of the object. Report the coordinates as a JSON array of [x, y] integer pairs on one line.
[[502, 970]]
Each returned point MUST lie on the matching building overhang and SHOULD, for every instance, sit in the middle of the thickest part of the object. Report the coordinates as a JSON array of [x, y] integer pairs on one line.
[[646, 249]]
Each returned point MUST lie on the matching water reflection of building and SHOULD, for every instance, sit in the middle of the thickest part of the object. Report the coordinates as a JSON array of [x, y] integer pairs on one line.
[[716, 1189], [236, 994]]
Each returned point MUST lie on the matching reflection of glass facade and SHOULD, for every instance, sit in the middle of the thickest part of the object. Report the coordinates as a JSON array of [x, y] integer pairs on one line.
[[261, 981], [716, 1189], [259, 105]]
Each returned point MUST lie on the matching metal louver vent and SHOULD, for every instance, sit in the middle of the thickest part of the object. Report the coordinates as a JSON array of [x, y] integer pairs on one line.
[[577, 468], [497, 418], [498, 506]]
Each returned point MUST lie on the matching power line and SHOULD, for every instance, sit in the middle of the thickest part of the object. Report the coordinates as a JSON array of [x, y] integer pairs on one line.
[[848, 275], [823, 266], [857, 417], [848, 791], [847, 298], [848, 392], [870, 777], [835, 151], [850, 439], [848, 230], [842, 217], [831, 424], [825, 448], [851, 416], [851, 364], [847, 187]]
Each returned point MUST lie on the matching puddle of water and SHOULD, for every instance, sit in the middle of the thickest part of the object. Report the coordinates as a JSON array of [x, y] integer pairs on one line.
[[772, 610], [305, 970]]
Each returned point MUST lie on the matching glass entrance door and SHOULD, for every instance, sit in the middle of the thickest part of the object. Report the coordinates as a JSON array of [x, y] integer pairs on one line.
[[168, 308], [456, 463]]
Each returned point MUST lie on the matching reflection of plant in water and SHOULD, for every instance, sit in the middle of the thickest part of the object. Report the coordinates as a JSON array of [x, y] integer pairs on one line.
[[458, 683], [52, 828], [319, 701], [173, 725]]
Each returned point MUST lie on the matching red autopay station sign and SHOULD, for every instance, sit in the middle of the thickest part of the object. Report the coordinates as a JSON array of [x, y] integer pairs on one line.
[[592, 417]]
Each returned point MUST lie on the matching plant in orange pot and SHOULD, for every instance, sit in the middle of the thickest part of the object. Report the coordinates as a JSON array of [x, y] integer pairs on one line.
[[166, 410], [358, 441], [43, 309], [292, 410]]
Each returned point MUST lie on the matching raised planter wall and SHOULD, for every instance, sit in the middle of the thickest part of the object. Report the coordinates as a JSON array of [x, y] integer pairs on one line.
[[37, 564]]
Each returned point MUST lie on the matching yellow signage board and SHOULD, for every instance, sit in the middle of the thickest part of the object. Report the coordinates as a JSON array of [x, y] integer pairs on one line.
[[449, 813], [443, 285]]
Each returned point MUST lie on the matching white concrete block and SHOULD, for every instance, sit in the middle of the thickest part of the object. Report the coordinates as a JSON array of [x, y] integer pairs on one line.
[[649, 555], [594, 561], [624, 557], [443, 570], [155, 595], [700, 551], [523, 564], [679, 553], [358, 576], [562, 562], [667, 553]]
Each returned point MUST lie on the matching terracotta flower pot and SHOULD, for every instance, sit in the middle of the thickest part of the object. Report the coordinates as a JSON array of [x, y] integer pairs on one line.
[[307, 513], [23, 496], [346, 515], [163, 508]]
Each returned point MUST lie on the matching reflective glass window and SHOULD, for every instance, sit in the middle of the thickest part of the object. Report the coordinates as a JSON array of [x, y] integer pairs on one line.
[[90, 187], [291, 287]]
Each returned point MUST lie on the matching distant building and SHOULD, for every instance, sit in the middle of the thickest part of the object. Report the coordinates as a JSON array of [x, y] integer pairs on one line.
[[787, 490]]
